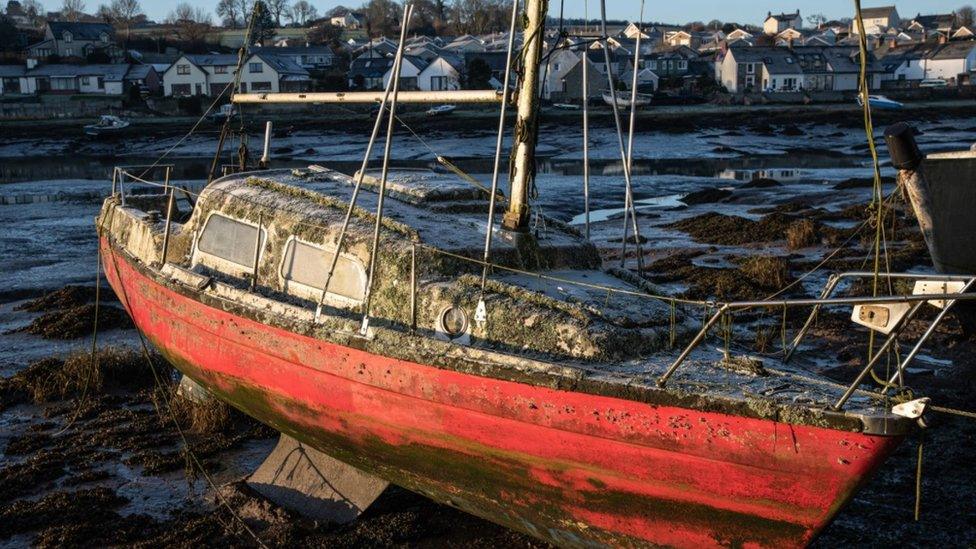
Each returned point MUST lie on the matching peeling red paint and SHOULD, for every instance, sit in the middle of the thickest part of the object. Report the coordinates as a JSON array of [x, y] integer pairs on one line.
[[566, 466]]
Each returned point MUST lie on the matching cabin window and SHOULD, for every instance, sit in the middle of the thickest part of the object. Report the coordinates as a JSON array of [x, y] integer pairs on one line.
[[255, 67], [220, 69], [682, 65], [230, 240], [182, 69], [304, 268]]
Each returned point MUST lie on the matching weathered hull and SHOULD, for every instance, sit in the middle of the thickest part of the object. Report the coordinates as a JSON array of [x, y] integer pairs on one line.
[[573, 468]]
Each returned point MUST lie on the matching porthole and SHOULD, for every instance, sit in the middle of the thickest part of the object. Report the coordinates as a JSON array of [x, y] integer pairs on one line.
[[454, 322]]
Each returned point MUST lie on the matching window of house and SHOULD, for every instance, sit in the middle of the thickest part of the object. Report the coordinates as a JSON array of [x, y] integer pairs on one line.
[[68, 38], [555, 67], [304, 268], [750, 68], [653, 65], [180, 89], [85, 80], [229, 240], [104, 38], [438, 83], [682, 65], [255, 67], [69, 52], [63, 84], [183, 69], [260, 86], [220, 69]]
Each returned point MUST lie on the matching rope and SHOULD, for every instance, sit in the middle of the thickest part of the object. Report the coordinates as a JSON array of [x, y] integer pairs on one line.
[[172, 416], [918, 475]]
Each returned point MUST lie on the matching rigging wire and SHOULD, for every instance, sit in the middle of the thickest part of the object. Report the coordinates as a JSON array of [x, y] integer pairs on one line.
[[628, 199], [496, 169]]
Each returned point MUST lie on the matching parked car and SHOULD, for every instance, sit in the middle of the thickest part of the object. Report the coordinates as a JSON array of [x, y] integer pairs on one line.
[[933, 83]]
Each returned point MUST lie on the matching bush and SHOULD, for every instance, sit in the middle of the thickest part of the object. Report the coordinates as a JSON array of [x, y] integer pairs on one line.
[[190, 104], [801, 234]]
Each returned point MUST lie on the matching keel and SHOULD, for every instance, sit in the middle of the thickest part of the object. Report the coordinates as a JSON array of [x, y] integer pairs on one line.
[[313, 484]]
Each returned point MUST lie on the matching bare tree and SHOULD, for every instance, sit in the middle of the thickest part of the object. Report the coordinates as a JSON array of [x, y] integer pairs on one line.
[[966, 15], [382, 17], [34, 11], [72, 10], [715, 25], [278, 9], [229, 13], [816, 19], [192, 24], [123, 13], [302, 12], [479, 16]]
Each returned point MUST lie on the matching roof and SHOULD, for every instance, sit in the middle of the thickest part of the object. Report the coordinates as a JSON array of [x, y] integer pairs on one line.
[[875, 13], [296, 50], [939, 20], [282, 63], [8, 71], [370, 67], [81, 31], [783, 16], [139, 72], [495, 59], [212, 59], [111, 73], [952, 50]]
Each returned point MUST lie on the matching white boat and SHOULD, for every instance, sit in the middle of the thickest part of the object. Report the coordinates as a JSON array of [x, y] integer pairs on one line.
[[880, 102], [223, 113], [441, 110], [623, 99], [107, 125], [566, 106]]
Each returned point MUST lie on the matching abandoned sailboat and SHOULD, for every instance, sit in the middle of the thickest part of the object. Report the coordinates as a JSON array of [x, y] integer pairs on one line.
[[544, 397]]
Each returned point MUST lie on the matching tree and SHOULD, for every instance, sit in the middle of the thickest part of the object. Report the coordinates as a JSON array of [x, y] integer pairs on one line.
[[714, 25], [123, 13], [72, 10], [382, 17], [966, 15], [263, 25], [34, 11], [303, 12], [9, 37], [479, 16], [192, 24], [816, 19], [278, 9], [229, 13], [478, 75], [324, 33]]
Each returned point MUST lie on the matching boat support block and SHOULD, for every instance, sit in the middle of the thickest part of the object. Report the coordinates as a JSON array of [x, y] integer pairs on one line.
[[302, 479]]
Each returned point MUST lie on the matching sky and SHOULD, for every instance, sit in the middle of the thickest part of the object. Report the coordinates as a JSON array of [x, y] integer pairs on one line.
[[742, 11]]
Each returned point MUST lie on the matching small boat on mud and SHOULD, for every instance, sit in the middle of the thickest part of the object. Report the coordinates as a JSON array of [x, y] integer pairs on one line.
[[880, 102], [107, 125], [441, 110], [624, 99], [398, 329]]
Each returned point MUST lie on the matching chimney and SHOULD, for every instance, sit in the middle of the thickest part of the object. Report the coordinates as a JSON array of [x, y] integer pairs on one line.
[[943, 38], [789, 43], [892, 43]]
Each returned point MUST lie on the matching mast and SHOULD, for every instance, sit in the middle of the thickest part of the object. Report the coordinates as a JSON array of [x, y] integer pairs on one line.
[[526, 129]]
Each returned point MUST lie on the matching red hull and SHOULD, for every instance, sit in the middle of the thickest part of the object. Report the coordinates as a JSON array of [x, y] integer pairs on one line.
[[570, 467]]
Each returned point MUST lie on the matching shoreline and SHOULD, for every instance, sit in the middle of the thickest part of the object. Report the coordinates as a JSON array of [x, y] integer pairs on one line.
[[668, 119]]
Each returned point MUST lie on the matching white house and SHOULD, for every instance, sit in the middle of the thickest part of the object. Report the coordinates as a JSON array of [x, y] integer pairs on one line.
[[74, 79], [951, 61], [776, 23], [410, 71], [442, 73], [68, 39], [212, 75], [877, 20], [347, 20]]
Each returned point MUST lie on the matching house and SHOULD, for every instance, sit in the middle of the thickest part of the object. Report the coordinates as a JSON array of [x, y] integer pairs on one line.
[[67, 39], [17, 15], [672, 62], [964, 33], [410, 70], [779, 22], [953, 62], [495, 61], [144, 77], [943, 23], [10, 79], [682, 38], [441, 73], [367, 73], [789, 37], [213, 74], [61, 79], [813, 68], [465, 43], [564, 77], [347, 19], [877, 20]]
